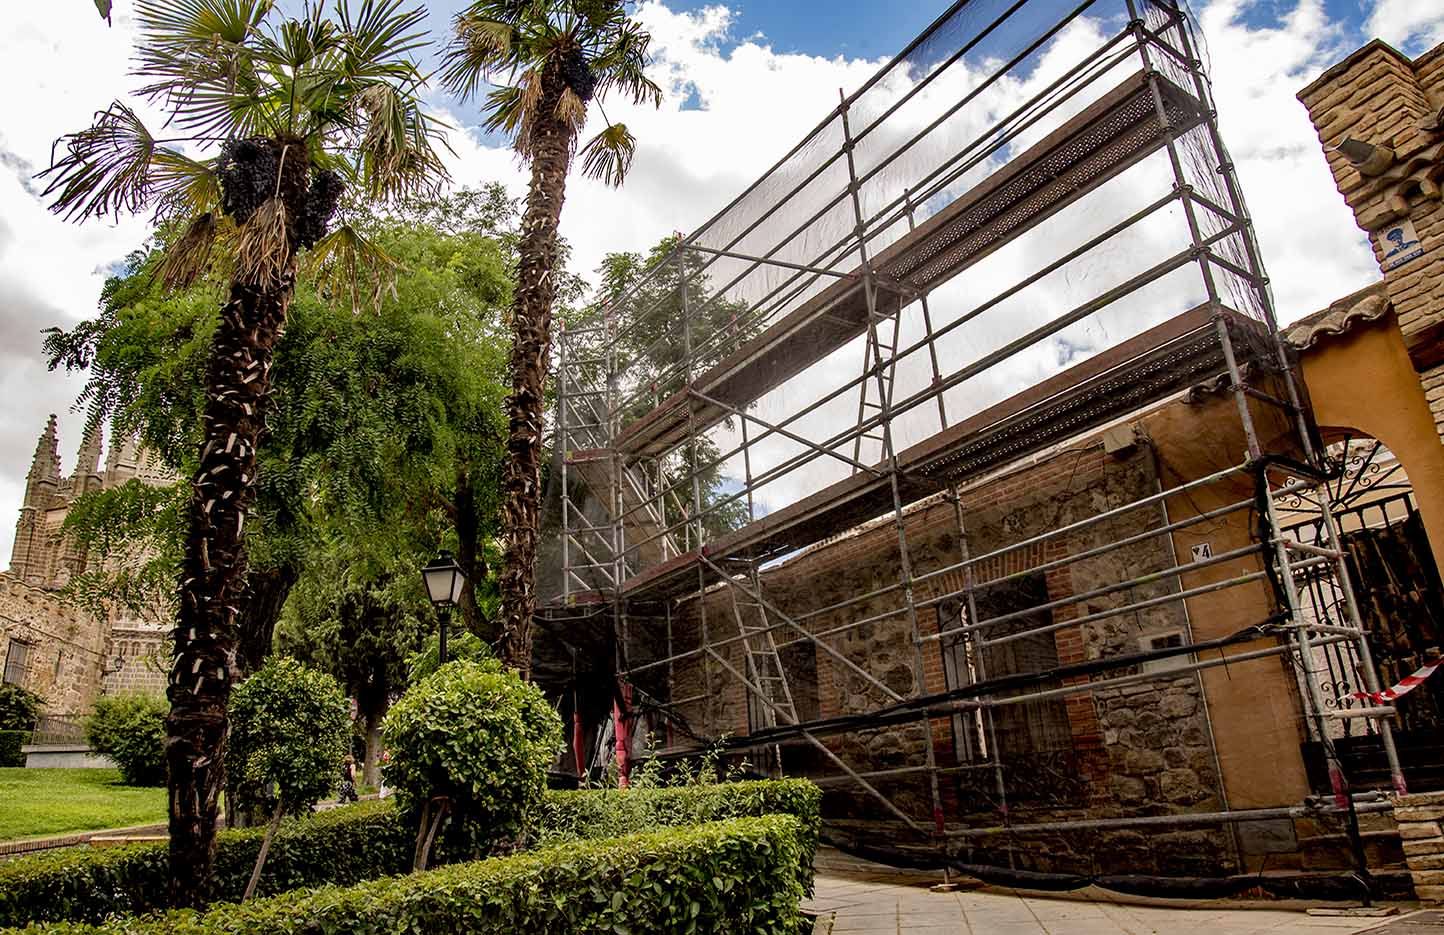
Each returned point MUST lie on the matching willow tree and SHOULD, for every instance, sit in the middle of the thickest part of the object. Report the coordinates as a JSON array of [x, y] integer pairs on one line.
[[270, 121], [548, 61]]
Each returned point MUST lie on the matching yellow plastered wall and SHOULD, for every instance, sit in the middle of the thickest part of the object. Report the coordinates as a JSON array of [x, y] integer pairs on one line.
[[1363, 380]]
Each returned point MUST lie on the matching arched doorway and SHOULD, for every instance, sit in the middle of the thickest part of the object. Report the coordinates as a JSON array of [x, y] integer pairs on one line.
[[1400, 604]]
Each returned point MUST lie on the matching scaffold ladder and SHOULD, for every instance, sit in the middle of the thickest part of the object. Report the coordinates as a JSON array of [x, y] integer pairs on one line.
[[882, 355], [764, 663]]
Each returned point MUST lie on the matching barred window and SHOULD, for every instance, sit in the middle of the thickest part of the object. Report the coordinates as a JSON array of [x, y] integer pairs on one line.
[[17, 662]]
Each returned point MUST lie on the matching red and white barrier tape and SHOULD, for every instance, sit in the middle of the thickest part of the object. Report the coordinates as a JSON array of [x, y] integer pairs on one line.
[[1406, 684]]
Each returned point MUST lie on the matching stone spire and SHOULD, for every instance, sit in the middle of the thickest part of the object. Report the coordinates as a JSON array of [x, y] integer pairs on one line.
[[44, 476], [87, 461], [28, 557]]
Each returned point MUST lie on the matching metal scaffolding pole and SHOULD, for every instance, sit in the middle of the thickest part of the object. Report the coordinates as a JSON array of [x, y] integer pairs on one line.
[[889, 452], [666, 492], [979, 665]]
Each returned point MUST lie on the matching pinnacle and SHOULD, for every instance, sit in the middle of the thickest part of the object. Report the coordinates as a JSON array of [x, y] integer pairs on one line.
[[87, 460], [46, 463]]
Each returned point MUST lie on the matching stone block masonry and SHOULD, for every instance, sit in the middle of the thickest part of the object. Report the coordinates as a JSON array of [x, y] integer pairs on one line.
[[1419, 818], [1143, 749]]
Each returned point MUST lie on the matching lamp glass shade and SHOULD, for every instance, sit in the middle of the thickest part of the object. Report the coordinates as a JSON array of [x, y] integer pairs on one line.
[[443, 579]]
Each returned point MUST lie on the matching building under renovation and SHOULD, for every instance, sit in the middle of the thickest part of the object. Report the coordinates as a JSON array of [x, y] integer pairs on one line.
[[960, 465]]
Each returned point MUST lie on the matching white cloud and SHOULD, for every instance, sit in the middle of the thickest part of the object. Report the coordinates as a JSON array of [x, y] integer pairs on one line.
[[1405, 23], [732, 109]]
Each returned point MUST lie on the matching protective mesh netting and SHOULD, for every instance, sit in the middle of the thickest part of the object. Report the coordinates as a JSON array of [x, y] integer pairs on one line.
[[1002, 134], [1005, 240]]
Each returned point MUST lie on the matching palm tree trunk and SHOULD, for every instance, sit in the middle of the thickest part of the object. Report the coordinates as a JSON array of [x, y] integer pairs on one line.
[[531, 343], [213, 574]]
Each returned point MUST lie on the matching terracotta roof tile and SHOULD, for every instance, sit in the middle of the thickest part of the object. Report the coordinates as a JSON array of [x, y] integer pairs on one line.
[[1367, 304]]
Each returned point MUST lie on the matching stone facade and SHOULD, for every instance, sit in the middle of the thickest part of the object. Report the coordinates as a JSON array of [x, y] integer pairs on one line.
[[48, 645], [1382, 99], [1421, 828], [1135, 750], [64, 647]]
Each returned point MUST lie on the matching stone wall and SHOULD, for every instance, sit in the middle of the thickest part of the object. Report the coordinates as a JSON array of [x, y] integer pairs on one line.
[[1144, 749], [145, 654], [1421, 828], [67, 646]]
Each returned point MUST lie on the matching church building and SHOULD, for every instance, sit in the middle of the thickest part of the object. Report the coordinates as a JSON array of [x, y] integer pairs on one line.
[[64, 653]]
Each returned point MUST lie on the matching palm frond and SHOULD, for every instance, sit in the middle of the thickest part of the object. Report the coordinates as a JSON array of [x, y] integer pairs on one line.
[[608, 155], [480, 48], [511, 110], [346, 263], [105, 169], [261, 246], [207, 60], [380, 40], [396, 152], [182, 185], [572, 111], [189, 255], [576, 50]]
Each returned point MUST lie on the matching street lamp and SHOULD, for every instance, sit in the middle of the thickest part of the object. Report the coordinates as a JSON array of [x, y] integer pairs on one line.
[[444, 581]]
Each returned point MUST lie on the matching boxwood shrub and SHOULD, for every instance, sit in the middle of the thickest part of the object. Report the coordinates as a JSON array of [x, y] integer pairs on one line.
[[343, 846], [369, 840], [738, 877]]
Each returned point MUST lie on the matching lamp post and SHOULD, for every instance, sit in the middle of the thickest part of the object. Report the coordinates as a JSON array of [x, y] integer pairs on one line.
[[444, 581]]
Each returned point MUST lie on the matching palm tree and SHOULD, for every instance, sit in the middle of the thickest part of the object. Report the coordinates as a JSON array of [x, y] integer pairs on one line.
[[274, 120], [549, 59]]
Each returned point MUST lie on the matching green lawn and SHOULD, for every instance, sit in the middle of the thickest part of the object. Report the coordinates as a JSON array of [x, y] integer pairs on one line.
[[41, 802]]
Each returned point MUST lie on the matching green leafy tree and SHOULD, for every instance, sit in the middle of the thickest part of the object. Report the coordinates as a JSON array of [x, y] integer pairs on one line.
[[383, 418], [659, 294], [130, 729], [359, 613], [289, 732], [471, 742], [427, 659], [385, 444], [293, 112], [549, 59], [19, 707]]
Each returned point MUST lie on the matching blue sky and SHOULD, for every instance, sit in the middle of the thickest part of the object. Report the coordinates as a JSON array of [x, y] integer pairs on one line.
[[873, 30], [879, 28]]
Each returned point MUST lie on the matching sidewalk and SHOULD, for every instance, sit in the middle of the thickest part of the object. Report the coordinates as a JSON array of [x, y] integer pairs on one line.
[[857, 898]]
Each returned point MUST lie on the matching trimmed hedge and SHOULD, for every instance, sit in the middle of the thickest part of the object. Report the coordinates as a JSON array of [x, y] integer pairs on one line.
[[738, 877], [606, 813], [10, 743], [369, 840], [343, 846]]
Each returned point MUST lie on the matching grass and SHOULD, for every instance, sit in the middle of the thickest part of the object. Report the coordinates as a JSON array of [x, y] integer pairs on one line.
[[42, 802]]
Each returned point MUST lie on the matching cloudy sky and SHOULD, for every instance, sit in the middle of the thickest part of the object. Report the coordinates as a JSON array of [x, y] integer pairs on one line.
[[744, 82]]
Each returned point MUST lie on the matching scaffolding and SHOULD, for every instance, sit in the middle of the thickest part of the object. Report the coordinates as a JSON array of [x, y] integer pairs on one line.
[[1020, 235]]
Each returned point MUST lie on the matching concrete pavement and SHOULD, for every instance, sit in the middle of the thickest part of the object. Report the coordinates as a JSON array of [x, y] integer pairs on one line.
[[857, 898]]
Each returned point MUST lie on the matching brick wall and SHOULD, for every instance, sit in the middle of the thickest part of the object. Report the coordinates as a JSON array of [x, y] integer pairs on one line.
[[1381, 97], [146, 657]]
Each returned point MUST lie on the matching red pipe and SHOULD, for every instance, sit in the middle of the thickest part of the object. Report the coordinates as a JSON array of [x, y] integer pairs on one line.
[[577, 751], [619, 728]]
